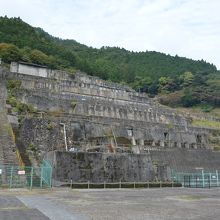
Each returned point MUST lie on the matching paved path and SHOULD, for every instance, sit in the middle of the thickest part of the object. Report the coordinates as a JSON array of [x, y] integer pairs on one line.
[[55, 211], [13, 209]]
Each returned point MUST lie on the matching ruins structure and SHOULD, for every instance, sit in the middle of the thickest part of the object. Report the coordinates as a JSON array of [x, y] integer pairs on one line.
[[91, 129]]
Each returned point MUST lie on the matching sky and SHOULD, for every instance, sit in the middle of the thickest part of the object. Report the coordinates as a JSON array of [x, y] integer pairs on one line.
[[189, 28]]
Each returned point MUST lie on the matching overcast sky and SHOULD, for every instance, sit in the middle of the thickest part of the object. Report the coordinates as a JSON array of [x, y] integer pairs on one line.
[[189, 28]]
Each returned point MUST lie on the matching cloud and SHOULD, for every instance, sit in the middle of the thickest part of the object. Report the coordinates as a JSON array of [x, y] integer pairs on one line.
[[184, 27]]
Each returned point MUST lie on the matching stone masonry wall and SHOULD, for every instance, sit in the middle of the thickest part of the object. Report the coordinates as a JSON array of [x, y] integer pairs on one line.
[[157, 165], [99, 167], [94, 111]]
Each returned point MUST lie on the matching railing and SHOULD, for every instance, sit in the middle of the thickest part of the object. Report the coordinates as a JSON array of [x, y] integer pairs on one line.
[[12, 176], [21, 163], [120, 184]]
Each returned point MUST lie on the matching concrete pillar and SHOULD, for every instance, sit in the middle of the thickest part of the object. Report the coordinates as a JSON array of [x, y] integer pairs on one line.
[[194, 146], [152, 116], [153, 144], [135, 115], [157, 117], [179, 145], [142, 142], [133, 141], [162, 144], [101, 111], [187, 145]]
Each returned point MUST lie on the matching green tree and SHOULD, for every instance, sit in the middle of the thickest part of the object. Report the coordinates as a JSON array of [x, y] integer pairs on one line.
[[36, 56], [187, 79], [9, 52], [189, 99]]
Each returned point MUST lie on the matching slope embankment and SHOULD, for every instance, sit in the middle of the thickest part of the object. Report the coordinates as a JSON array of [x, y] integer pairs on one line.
[[7, 143]]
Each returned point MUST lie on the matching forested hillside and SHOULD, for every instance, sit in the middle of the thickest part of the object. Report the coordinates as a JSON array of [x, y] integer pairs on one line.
[[177, 80]]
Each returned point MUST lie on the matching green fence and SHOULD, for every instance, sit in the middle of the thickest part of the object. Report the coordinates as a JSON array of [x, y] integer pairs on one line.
[[26, 177], [198, 179]]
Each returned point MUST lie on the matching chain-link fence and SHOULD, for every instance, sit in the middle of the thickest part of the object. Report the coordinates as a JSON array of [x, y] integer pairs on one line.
[[199, 179], [26, 177]]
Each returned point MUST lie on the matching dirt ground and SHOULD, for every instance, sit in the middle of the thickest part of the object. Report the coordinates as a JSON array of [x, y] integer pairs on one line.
[[110, 204]]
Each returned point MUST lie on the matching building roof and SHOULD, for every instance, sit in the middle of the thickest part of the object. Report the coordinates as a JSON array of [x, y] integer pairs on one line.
[[32, 64]]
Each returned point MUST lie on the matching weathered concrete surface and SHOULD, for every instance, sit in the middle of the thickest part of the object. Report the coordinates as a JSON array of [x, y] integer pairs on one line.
[[84, 133], [182, 160], [93, 109], [97, 116], [55, 211], [100, 167], [157, 165]]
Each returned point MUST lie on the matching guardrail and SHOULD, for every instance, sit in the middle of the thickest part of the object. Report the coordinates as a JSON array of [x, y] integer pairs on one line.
[[119, 185]]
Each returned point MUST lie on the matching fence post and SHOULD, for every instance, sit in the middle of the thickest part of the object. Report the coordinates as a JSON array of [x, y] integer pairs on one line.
[[88, 184], [31, 185], [104, 185], [71, 183], [217, 178], [210, 180], [134, 185], [11, 177], [160, 184], [203, 179], [120, 184], [51, 176], [41, 178]]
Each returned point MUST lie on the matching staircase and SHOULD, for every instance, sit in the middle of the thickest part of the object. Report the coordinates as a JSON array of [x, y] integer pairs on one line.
[[7, 142]]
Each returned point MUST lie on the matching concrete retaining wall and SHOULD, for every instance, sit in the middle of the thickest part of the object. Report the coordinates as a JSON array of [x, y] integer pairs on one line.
[[157, 165], [99, 167]]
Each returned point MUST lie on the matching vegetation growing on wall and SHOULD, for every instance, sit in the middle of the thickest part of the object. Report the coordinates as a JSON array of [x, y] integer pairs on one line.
[[13, 86], [206, 123]]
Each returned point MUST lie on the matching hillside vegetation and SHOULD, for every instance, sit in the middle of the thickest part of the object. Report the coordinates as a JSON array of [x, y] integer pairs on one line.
[[177, 81]]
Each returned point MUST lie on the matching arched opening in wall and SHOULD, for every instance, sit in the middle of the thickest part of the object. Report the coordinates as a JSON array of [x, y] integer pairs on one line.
[[124, 143], [137, 142], [199, 140], [109, 111], [120, 111], [166, 139], [166, 135], [148, 143], [183, 145], [157, 143], [130, 132], [140, 114], [155, 169], [97, 144], [192, 146], [175, 144], [91, 109]]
